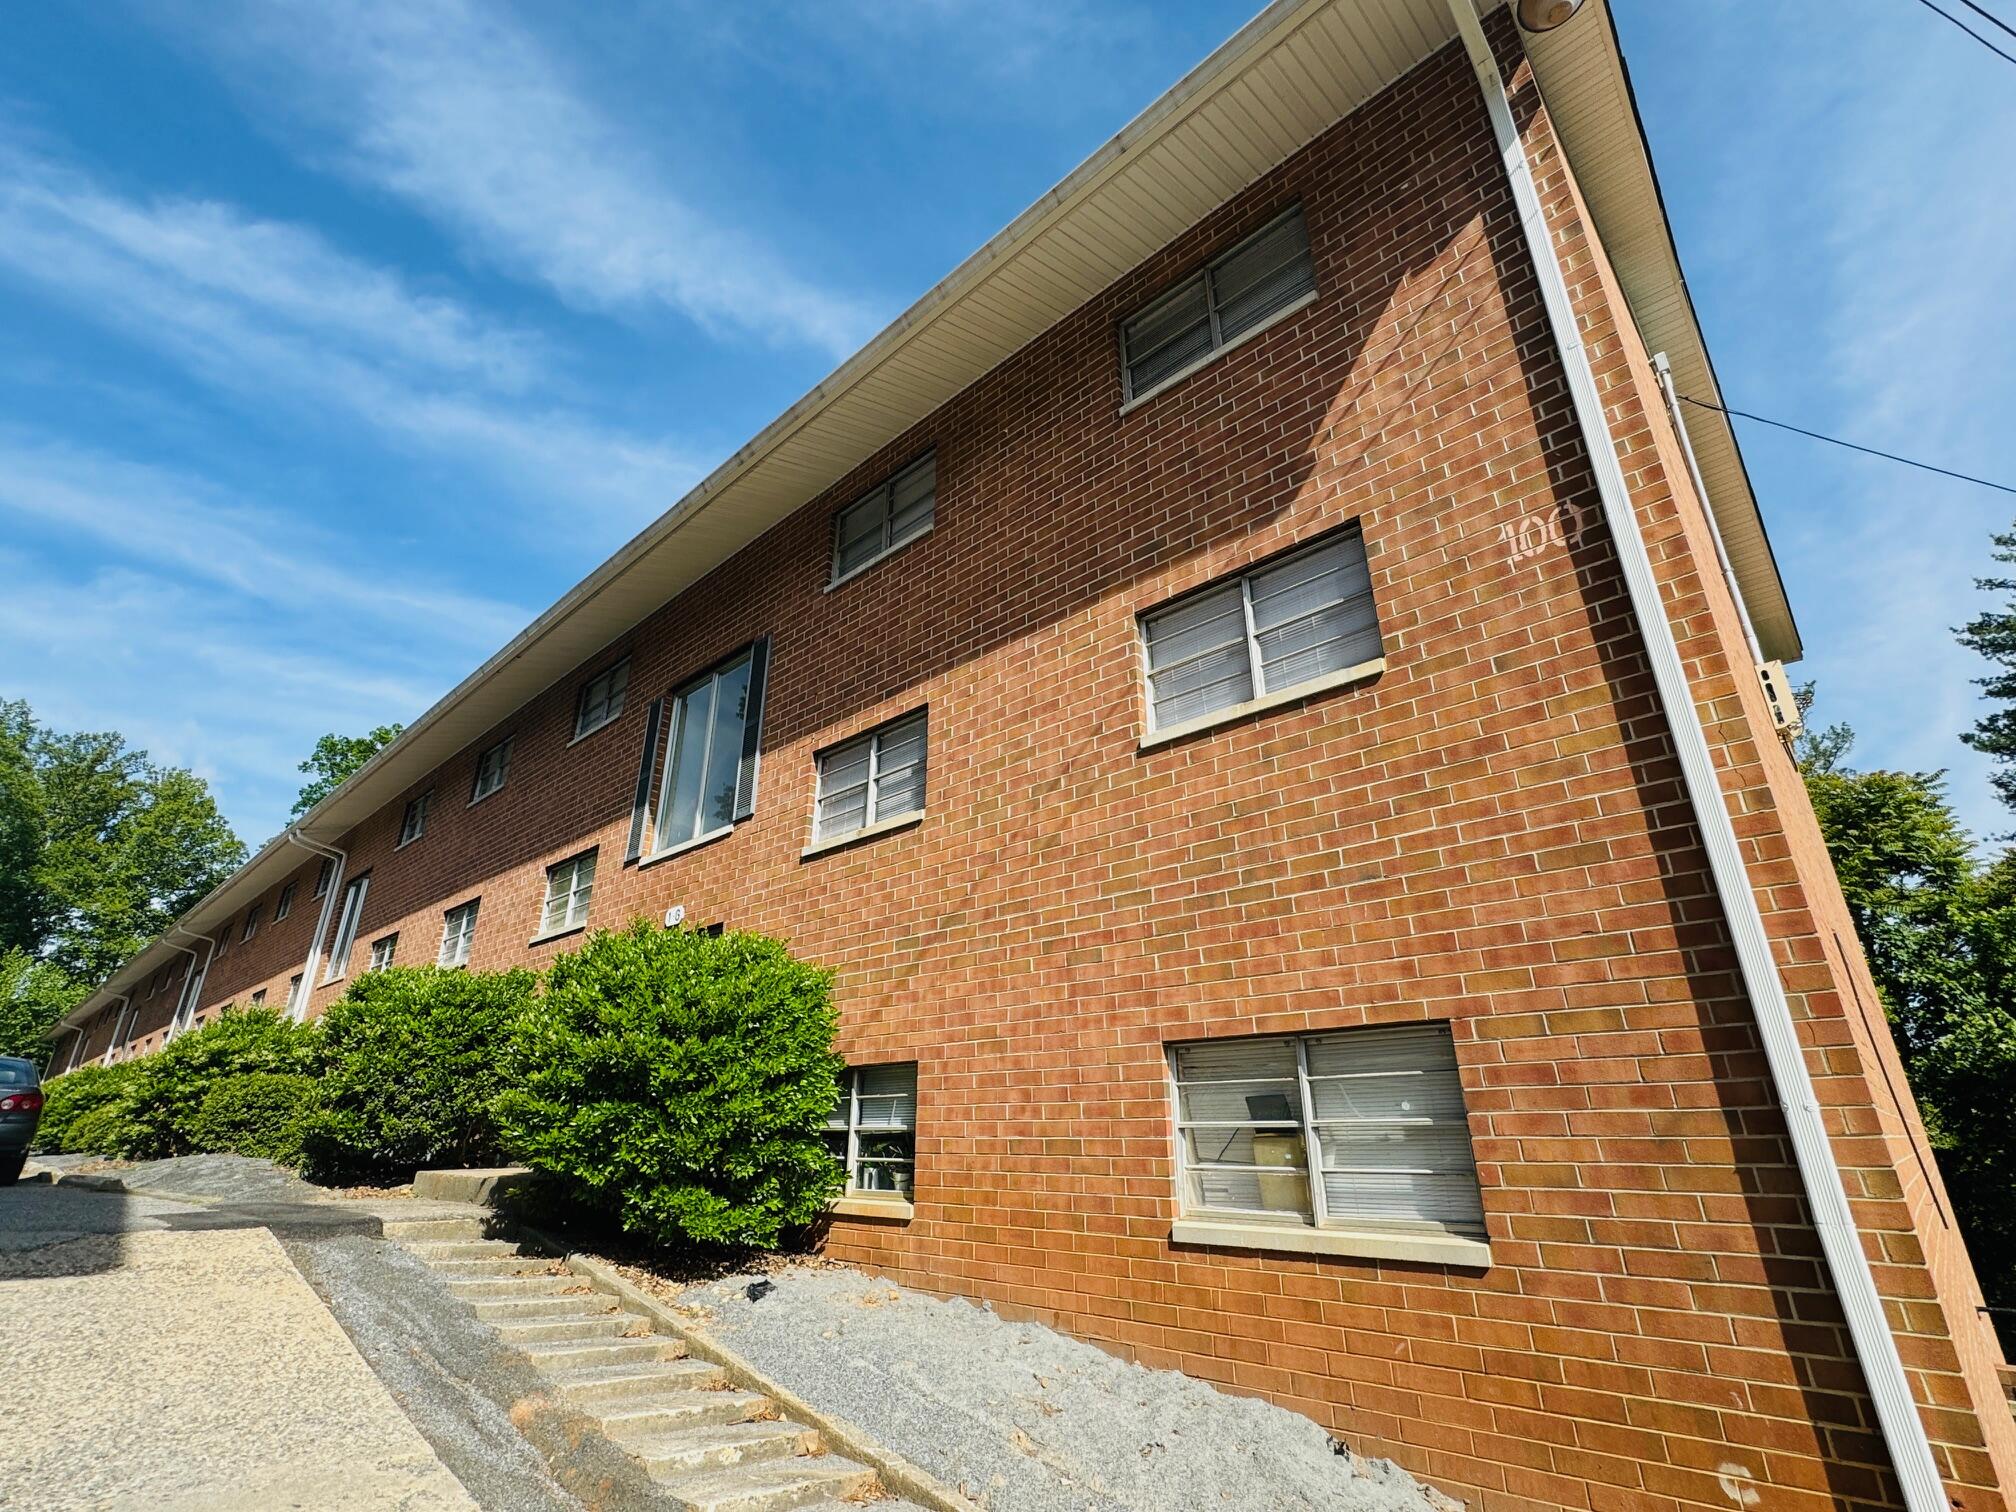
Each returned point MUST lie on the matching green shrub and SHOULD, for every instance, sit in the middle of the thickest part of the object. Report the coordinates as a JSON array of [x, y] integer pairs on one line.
[[413, 1060], [104, 1130], [70, 1097], [171, 1085], [680, 1082], [261, 1114]]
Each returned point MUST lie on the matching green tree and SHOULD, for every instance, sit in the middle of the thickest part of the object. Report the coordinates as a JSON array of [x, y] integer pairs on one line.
[[33, 996], [334, 758], [103, 848], [1993, 634]]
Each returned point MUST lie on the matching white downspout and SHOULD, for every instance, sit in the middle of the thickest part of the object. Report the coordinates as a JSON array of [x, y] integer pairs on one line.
[[298, 1011], [1827, 1201], [175, 1019], [120, 1028], [192, 988], [1665, 372]]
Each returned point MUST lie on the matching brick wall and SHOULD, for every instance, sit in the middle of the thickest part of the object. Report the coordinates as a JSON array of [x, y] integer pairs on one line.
[[1494, 832]]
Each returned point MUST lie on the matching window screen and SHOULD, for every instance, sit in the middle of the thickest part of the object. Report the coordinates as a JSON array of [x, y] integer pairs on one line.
[[414, 824], [601, 699], [569, 886], [492, 767], [873, 1132], [383, 950], [1238, 293], [458, 932], [889, 516], [1361, 1128], [1285, 624], [875, 777]]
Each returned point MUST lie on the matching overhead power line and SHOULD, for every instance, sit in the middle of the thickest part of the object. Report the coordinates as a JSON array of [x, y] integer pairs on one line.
[[1990, 17], [1944, 472], [1968, 30]]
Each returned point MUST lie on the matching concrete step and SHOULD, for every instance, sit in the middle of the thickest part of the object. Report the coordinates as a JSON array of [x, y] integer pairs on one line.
[[488, 1288], [571, 1355], [595, 1385], [714, 1446], [605, 1325], [652, 1414], [773, 1485], [435, 1250], [433, 1228], [503, 1265], [515, 1309]]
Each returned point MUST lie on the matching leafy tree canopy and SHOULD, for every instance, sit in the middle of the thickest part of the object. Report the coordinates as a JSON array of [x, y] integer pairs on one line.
[[1993, 634], [33, 996], [334, 758], [100, 848]]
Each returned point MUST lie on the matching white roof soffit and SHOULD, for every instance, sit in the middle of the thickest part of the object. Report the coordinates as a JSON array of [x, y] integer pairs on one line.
[[1281, 80], [1587, 87]]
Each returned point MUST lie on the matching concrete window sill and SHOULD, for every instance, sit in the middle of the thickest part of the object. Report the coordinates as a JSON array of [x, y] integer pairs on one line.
[[1362, 1244], [558, 934], [687, 845], [1343, 677], [862, 1205], [855, 837]]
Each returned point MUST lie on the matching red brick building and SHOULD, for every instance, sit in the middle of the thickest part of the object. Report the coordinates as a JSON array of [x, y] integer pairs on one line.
[[1229, 681]]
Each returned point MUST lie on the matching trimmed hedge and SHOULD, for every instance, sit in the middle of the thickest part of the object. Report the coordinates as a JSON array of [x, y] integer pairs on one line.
[[413, 1058], [170, 1086], [262, 1113], [681, 1082], [73, 1097]]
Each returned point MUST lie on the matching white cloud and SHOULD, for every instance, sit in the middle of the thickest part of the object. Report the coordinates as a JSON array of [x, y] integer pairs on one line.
[[460, 113], [272, 313]]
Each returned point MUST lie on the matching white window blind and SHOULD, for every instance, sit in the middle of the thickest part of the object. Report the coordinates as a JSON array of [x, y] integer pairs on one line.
[[872, 778], [492, 767], [1285, 624], [1360, 1128], [710, 766], [414, 824], [873, 1132], [1238, 293], [383, 950], [891, 515], [458, 931], [601, 699], [346, 928], [569, 886]]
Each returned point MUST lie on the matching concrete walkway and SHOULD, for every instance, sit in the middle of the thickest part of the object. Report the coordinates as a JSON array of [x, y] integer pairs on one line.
[[158, 1356]]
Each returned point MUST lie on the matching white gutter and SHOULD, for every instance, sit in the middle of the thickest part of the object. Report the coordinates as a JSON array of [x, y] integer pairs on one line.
[[1827, 1201], [1665, 372], [298, 1011]]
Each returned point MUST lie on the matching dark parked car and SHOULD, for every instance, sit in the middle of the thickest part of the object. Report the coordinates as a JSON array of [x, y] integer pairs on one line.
[[20, 1112]]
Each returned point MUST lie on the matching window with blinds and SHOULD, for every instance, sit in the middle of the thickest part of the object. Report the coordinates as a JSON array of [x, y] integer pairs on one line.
[[458, 933], [871, 779], [492, 767], [1256, 282], [890, 516], [383, 950], [1286, 624], [1363, 1128], [286, 904], [569, 887], [873, 1133], [414, 823], [601, 699]]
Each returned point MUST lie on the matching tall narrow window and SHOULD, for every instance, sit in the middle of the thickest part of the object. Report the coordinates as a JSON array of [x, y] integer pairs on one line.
[[569, 886], [1254, 284], [324, 875], [1285, 625], [285, 905], [346, 928], [382, 951], [601, 699], [251, 923], [1363, 1128], [491, 769], [413, 824], [458, 932], [710, 765], [297, 995], [872, 779], [891, 515], [873, 1132]]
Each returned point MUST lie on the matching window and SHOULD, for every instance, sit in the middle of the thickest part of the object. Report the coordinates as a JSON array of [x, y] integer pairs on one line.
[[297, 995], [324, 875], [1363, 1128], [414, 824], [568, 889], [710, 768], [258, 997], [873, 1132], [251, 926], [346, 928], [872, 779], [491, 769], [892, 515], [1283, 626], [601, 699], [382, 951], [224, 937], [458, 931], [1256, 282], [285, 905]]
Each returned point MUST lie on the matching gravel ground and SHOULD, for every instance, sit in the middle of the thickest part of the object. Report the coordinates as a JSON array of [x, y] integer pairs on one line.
[[1024, 1419]]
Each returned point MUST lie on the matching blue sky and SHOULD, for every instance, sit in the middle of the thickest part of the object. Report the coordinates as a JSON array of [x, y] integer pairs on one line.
[[341, 340]]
